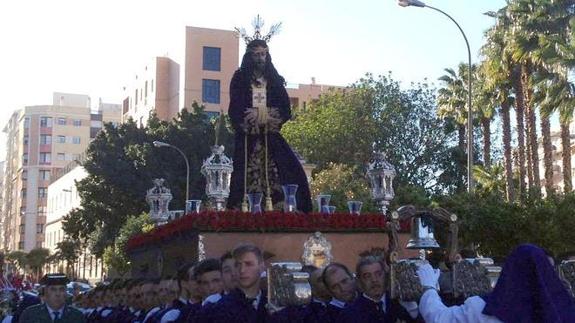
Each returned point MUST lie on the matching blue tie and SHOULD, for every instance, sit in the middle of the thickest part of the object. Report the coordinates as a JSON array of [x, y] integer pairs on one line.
[[56, 316]]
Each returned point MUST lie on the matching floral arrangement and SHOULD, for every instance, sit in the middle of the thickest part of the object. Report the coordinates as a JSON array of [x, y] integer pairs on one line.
[[235, 221]]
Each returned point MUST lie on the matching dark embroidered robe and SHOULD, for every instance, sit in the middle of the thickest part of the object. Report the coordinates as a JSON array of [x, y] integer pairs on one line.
[[284, 164]]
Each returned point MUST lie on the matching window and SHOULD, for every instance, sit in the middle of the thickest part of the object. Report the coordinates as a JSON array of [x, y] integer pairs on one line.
[[152, 86], [42, 210], [42, 192], [25, 159], [211, 91], [23, 193], [21, 245], [22, 228], [77, 123], [136, 96], [26, 122], [26, 139], [45, 139], [146, 90], [75, 156], [61, 156], [61, 139], [61, 121], [45, 122], [39, 228], [45, 158], [44, 175], [76, 140], [24, 175], [212, 59]]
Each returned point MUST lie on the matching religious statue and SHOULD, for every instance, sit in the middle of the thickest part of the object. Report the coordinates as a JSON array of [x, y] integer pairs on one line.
[[259, 106]]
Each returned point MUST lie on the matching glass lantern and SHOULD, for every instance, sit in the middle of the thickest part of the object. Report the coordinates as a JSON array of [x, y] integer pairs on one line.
[[381, 174], [218, 172]]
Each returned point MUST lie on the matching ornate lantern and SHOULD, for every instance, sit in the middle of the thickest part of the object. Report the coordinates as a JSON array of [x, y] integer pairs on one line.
[[218, 171], [159, 197], [381, 174]]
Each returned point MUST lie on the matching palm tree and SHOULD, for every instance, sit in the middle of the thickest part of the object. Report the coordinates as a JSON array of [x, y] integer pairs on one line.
[[497, 69], [484, 103], [490, 180], [451, 100], [523, 41], [557, 54], [543, 41]]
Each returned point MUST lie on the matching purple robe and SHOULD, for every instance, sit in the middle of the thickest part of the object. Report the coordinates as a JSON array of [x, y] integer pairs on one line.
[[289, 168], [529, 290]]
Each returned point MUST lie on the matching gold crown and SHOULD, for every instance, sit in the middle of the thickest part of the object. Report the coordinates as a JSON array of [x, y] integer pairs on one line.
[[258, 24]]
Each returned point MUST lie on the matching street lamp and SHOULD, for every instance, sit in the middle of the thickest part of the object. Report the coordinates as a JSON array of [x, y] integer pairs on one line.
[[420, 4], [163, 144]]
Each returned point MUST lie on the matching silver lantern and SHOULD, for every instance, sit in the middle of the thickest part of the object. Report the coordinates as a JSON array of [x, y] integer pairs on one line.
[[287, 285], [381, 174], [218, 171], [159, 197]]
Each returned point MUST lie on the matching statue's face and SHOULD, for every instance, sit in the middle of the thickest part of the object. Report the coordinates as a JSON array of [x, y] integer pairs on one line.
[[259, 55]]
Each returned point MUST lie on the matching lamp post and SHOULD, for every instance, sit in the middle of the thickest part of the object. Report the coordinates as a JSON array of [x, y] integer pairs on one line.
[[163, 144], [420, 4]]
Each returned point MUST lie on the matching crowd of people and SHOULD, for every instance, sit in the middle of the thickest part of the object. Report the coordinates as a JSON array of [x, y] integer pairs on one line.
[[233, 289]]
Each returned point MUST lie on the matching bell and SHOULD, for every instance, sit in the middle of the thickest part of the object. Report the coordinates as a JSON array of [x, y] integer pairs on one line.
[[421, 234]]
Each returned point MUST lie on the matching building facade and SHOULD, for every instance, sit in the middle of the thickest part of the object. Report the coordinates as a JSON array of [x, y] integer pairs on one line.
[[154, 89], [211, 58], [63, 197], [40, 140]]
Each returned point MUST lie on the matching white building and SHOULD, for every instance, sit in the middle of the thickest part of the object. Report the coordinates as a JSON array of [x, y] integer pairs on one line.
[[62, 198]]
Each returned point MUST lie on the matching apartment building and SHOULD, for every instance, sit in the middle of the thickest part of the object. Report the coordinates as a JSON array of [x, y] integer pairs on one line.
[[154, 89], [211, 58], [40, 140]]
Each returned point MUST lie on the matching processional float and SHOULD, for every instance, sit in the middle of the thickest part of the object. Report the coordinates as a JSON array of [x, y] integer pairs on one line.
[[288, 285]]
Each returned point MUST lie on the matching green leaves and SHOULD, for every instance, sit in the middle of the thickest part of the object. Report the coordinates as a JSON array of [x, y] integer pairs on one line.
[[121, 163], [115, 256], [496, 226], [342, 127]]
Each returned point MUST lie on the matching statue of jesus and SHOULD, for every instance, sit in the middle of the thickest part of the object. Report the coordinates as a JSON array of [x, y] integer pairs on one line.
[[259, 106]]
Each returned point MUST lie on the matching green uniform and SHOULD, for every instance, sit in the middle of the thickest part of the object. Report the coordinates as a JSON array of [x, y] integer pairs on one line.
[[39, 314]]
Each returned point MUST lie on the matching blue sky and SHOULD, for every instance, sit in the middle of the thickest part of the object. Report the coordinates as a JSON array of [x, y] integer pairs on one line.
[[95, 47]]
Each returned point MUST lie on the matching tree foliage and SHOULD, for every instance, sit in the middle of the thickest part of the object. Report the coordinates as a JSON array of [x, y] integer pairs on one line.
[[344, 127], [343, 183], [36, 259], [121, 163], [114, 255], [18, 258], [67, 251], [496, 226]]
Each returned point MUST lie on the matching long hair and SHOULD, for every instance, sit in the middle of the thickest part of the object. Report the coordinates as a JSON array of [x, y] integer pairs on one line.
[[247, 67]]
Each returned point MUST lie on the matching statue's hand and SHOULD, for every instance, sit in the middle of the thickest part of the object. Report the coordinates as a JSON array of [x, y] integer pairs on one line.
[[274, 121], [250, 124]]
